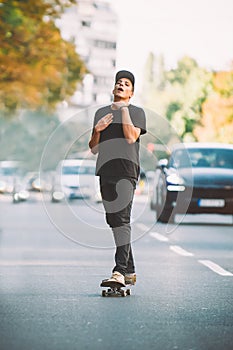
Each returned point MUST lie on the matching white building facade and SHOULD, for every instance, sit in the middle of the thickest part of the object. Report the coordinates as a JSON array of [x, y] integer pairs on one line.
[[92, 25]]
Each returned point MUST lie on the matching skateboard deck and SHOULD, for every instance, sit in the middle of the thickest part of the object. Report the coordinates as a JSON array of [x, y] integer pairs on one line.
[[115, 289]]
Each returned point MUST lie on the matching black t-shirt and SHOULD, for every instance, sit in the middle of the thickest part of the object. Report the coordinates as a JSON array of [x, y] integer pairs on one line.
[[116, 156]]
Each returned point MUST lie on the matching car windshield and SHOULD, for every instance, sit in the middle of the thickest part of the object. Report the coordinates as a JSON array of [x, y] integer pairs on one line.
[[78, 170], [8, 171], [202, 158]]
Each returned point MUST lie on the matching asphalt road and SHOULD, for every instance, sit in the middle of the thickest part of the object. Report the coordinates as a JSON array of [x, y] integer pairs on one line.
[[53, 257]]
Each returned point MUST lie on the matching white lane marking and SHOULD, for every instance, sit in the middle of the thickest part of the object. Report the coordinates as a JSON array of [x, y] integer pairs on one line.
[[142, 227], [177, 249], [159, 237], [180, 251], [216, 268]]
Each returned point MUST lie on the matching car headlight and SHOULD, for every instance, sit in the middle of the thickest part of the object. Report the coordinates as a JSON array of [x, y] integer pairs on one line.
[[174, 179], [57, 196], [175, 183], [23, 195], [36, 185]]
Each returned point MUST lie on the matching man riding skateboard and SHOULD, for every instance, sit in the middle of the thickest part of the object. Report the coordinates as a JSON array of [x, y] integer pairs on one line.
[[115, 138]]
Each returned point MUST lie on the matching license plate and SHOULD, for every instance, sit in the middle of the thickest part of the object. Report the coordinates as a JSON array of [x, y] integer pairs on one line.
[[219, 203]]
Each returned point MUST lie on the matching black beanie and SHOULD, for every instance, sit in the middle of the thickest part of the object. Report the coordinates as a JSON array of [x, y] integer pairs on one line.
[[125, 74]]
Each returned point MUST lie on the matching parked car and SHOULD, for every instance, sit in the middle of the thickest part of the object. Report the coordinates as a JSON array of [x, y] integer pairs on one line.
[[197, 178], [19, 194], [9, 175], [11, 181], [75, 179]]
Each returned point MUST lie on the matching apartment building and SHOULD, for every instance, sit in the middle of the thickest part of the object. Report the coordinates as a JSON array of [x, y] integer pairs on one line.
[[92, 25]]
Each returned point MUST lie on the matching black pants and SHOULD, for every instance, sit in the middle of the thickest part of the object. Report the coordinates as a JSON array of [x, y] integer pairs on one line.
[[117, 194]]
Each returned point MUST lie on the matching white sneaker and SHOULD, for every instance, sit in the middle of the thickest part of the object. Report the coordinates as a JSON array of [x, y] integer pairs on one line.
[[130, 278], [116, 277]]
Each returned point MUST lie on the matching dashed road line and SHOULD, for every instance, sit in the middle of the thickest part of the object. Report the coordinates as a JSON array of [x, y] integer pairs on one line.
[[214, 267], [142, 227], [159, 237], [177, 249]]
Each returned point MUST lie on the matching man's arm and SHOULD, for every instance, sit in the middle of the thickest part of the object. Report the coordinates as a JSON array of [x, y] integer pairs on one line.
[[130, 131], [94, 141], [102, 124]]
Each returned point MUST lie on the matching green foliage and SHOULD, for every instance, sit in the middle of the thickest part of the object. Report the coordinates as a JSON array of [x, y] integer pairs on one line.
[[216, 123], [38, 68], [184, 68], [184, 89], [172, 108]]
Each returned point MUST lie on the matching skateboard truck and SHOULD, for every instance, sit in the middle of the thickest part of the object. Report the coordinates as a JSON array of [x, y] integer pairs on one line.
[[114, 289]]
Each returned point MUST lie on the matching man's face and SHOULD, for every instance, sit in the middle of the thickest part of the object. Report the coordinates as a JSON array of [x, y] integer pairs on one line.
[[123, 89]]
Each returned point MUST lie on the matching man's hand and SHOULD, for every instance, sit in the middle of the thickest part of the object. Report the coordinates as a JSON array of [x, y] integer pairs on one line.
[[104, 122], [118, 105]]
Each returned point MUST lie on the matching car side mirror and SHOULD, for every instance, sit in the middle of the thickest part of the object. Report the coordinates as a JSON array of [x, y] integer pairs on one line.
[[162, 163]]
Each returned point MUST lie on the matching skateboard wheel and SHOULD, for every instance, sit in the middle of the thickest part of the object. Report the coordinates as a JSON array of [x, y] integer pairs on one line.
[[128, 292], [104, 293], [123, 293]]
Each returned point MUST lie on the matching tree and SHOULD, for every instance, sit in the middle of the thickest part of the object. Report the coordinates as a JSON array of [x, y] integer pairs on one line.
[[191, 85], [37, 67], [180, 95], [217, 111], [181, 73]]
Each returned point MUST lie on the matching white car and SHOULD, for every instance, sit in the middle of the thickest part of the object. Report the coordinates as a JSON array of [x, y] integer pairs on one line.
[[9, 175], [75, 179]]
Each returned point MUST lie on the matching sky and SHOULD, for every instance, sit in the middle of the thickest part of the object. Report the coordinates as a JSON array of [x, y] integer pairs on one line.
[[202, 29]]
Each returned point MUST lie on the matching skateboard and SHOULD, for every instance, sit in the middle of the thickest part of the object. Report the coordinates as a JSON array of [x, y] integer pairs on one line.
[[115, 289]]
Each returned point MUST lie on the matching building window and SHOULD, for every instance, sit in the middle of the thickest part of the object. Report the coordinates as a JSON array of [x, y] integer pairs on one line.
[[102, 81], [86, 24], [105, 44]]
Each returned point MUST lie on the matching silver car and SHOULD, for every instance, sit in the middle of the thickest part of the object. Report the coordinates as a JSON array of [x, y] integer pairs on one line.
[[75, 179]]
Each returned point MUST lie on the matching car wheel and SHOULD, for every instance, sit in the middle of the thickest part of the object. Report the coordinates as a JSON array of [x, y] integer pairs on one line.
[[166, 216], [152, 206]]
